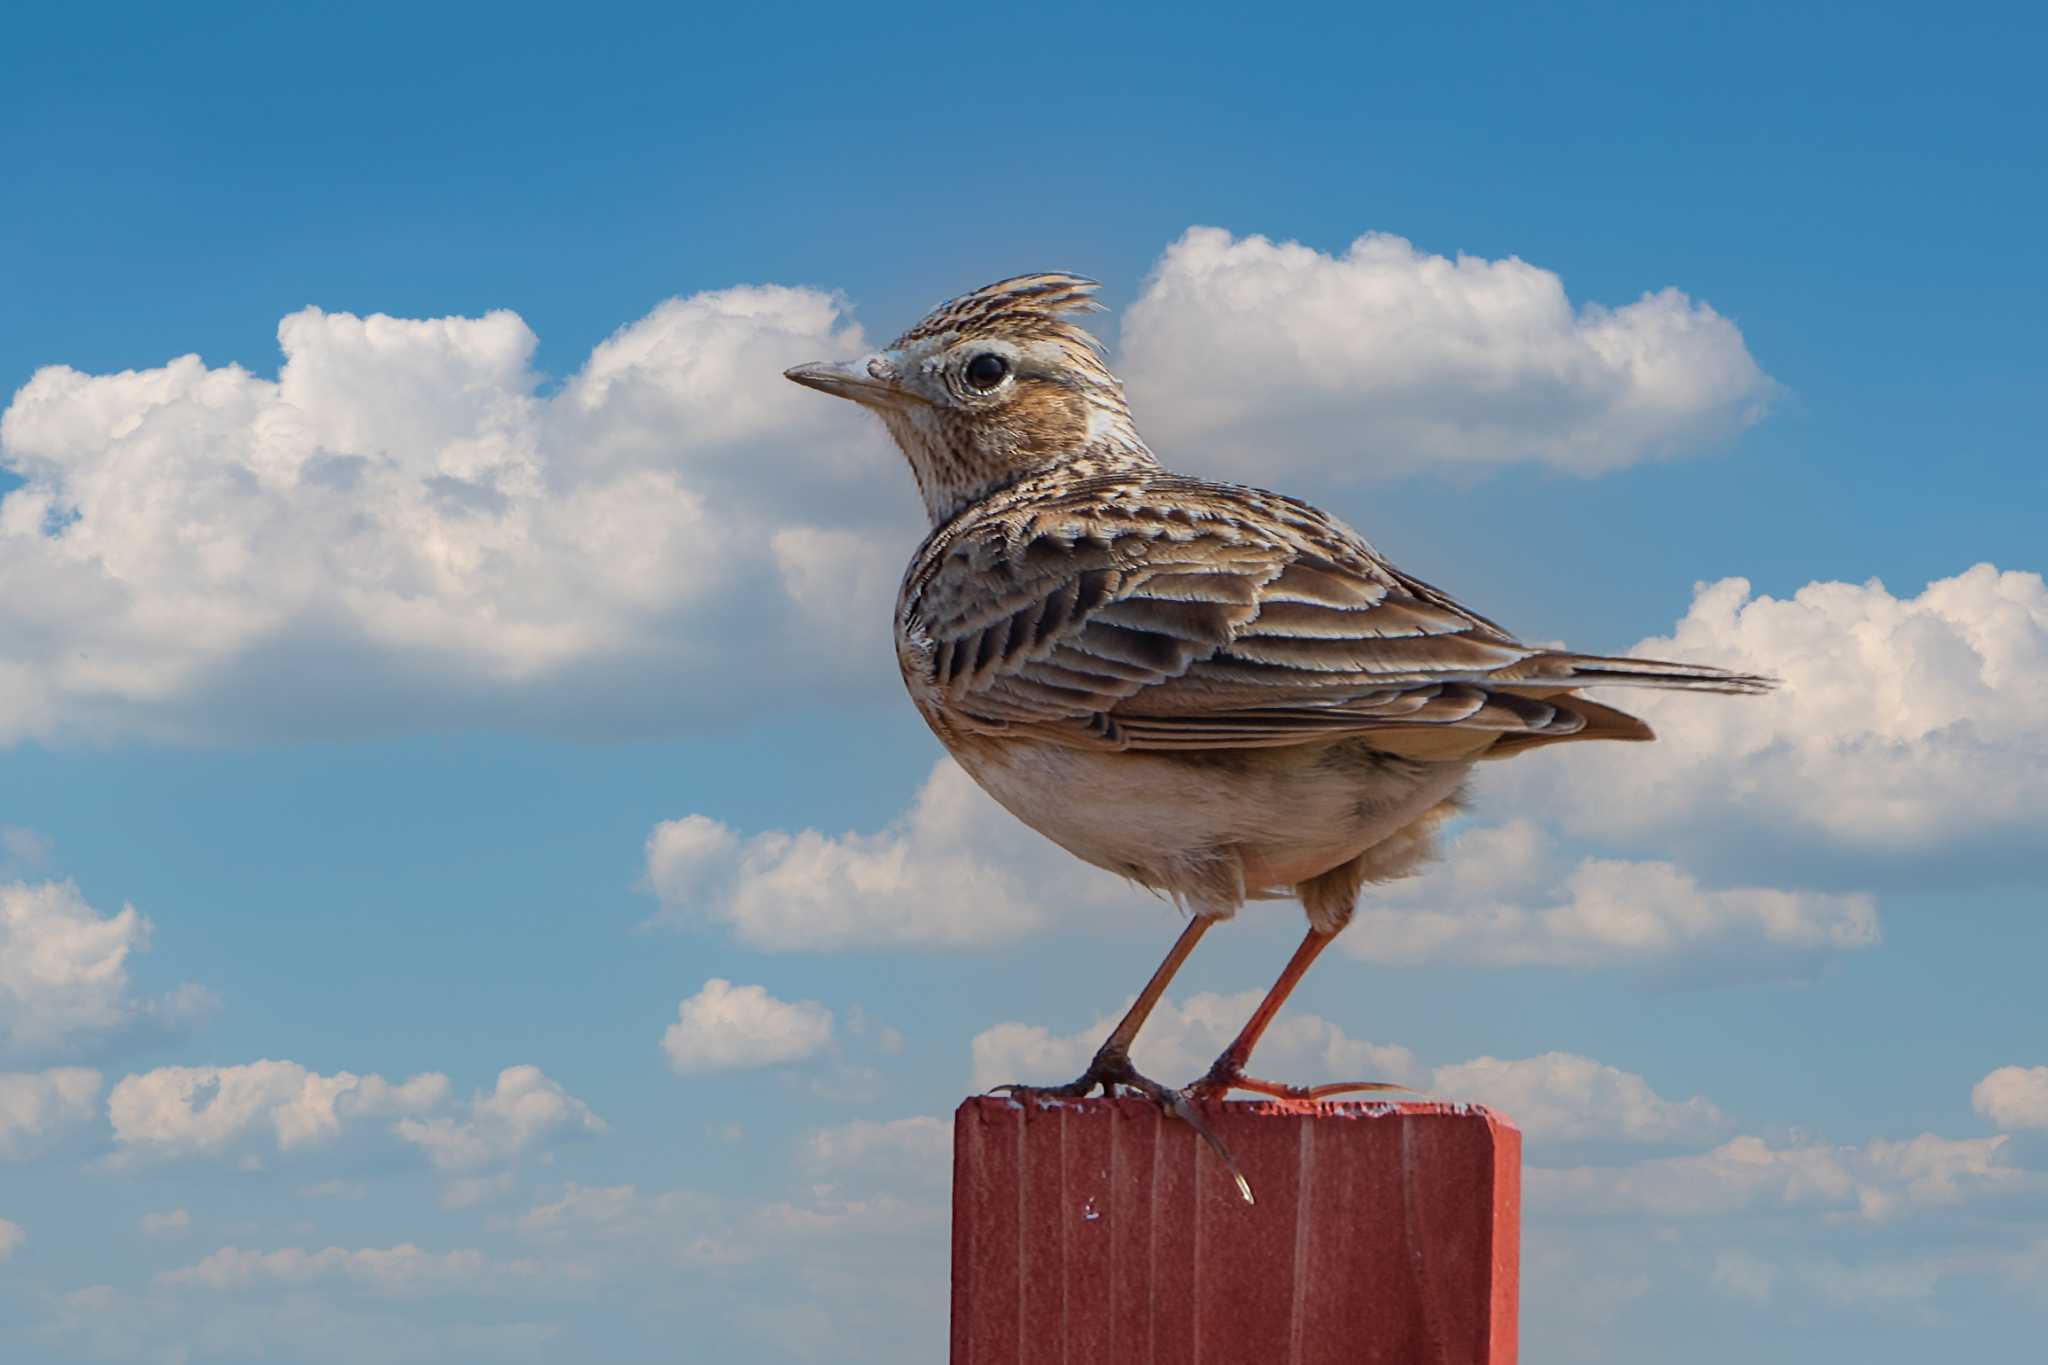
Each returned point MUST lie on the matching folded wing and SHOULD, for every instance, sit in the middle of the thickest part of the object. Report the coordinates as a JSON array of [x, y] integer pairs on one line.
[[1159, 612]]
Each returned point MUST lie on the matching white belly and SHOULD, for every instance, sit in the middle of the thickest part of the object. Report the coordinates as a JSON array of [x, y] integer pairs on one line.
[[1214, 829]]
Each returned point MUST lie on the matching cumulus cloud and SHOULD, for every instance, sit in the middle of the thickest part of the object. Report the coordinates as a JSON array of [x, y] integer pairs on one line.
[[525, 1108], [955, 870], [11, 1238], [1182, 1038], [1271, 359], [1508, 894], [2013, 1098], [407, 526], [251, 1112], [1874, 1182], [36, 1106], [724, 1027], [64, 970], [402, 528], [1904, 724], [1557, 1096], [1564, 1097], [403, 1271], [1504, 894], [180, 1111]]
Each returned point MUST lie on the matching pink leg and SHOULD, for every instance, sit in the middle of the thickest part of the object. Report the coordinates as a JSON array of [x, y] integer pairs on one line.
[[1228, 1072], [1112, 1064]]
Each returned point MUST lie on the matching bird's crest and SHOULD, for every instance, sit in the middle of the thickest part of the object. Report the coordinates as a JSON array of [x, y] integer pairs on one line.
[[1023, 306]]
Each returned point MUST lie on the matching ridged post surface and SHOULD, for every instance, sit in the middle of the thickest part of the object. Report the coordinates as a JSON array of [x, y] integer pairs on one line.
[[1101, 1232]]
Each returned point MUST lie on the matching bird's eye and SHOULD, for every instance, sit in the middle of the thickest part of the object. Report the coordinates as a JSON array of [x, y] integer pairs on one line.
[[986, 371]]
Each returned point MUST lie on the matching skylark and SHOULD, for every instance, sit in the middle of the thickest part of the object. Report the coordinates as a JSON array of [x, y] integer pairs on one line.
[[1218, 692]]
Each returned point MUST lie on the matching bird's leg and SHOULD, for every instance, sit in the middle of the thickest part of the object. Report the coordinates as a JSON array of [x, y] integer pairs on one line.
[[1227, 1073], [1111, 1066]]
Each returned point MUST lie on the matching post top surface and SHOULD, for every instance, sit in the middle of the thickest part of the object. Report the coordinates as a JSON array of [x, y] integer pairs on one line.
[[1239, 1111]]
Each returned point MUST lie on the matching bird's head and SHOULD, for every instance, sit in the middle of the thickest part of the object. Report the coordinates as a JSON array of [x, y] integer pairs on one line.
[[990, 387]]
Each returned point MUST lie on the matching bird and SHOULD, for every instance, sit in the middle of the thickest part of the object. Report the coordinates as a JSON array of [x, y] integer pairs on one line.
[[1221, 693]]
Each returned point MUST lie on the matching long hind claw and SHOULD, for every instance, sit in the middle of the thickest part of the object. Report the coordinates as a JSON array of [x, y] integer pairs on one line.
[[1308, 1092], [1179, 1104], [1111, 1068], [1227, 1074]]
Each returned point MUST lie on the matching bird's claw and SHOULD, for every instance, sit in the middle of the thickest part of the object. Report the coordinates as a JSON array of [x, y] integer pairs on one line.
[[1111, 1068], [1227, 1075], [1181, 1104]]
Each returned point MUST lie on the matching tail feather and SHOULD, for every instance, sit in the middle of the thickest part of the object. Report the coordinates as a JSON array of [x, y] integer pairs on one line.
[[1600, 670]]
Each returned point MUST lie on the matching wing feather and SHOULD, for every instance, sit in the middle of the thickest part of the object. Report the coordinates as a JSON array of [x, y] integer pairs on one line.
[[1145, 610]]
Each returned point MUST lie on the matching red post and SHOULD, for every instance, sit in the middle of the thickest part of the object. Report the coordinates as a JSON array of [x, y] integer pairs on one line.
[[1101, 1232]]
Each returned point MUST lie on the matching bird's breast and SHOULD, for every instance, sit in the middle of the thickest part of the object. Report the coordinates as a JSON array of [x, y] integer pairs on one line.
[[1164, 819]]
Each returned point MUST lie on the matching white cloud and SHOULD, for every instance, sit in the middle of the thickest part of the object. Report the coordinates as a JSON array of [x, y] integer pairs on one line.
[[470, 1190], [403, 1271], [1273, 359], [524, 1109], [401, 529], [581, 1206], [1560, 1096], [2013, 1098], [1503, 894], [724, 1026], [1182, 1038], [1556, 1096], [405, 527], [167, 1224], [918, 1146], [673, 1228], [1873, 1182], [36, 1106], [1903, 724], [178, 1111], [1507, 894], [11, 1238], [64, 970], [828, 1216], [245, 1112], [955, 870]]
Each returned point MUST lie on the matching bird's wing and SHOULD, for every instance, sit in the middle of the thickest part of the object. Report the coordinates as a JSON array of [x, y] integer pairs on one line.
[[1157, 612]]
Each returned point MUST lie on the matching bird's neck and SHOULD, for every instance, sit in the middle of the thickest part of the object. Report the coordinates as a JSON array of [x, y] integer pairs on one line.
[[952, 477]]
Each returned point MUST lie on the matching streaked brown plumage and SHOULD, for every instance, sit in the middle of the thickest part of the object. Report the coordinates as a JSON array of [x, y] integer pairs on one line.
[[1216, 691]]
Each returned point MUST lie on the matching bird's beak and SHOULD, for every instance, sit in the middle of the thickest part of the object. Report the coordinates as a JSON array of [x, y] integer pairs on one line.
[[870, 382]]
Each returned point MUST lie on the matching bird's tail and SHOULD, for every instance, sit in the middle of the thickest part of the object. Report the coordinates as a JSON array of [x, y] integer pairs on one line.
[[1600, 670]]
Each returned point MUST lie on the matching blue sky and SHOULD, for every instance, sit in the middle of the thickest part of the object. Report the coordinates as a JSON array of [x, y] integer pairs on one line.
[[438, 708]]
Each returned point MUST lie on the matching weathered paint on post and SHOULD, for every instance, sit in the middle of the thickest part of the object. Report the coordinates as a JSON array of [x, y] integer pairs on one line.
[[1100, 1232]]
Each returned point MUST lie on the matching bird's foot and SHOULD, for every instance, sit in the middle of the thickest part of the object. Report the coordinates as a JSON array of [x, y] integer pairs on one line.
[[1111, 1068], [1227, 1074]]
